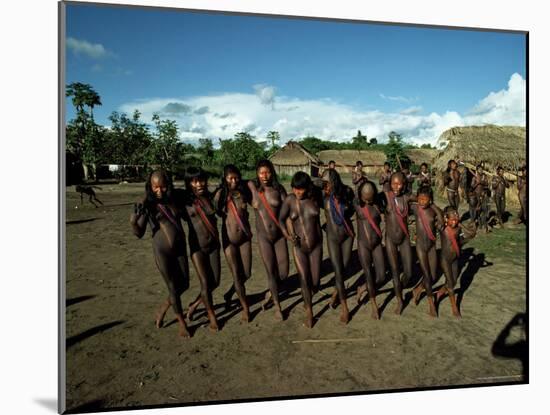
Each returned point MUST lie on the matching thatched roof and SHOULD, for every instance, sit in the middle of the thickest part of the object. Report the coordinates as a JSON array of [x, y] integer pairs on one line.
[[421, 155], [494, 145], [350, 157], [293, 154], [374, 157]]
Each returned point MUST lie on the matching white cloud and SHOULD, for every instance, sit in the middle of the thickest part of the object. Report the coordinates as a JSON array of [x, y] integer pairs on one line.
[[295, 118], [83, 47], [399, 98], [266, 93]]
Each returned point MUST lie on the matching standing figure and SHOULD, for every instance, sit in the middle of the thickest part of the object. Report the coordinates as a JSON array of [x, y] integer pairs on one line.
[[358, 176], [161, 210], [89, 190], [369, 242], [338, 205], [452, 240], [477, 198], [267, 197], [424, 178], [451, 180], [429, 218], [303, 206], [522, 195], [204, 241], [231, 200], [409, 180], [499, 185], [398, 243], [385, 177]]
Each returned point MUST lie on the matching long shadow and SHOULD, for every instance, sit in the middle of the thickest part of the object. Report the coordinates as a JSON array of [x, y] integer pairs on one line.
[[76, 300], [473, 263], [92, 406], [119, 204], [76, 222], [71, 341], [517, 350]]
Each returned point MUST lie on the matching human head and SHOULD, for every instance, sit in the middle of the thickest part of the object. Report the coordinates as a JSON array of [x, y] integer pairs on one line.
[[332, 164], [196, 181], [423, 167], [500, 171], [158, 186], [451, 165], [301, 184], [332, 183], [452, 218], [265, 174], [397, 182], [424, 196], [479, 168], [359, 164], [231, 176], [367, 192], [387, 166]]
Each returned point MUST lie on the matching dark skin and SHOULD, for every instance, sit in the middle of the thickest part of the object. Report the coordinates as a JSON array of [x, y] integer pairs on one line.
[[89, 190], [307, 239], [169, 249], [477, 198], [499, 185], [409, 180], [398, 244], [369, 246], [428, 218], [204, 247], [358, 176], [271, 241], [424, 178], [449, 258], [452, 183], [522, 194], [236, 242], [339, 244], [385, 178]]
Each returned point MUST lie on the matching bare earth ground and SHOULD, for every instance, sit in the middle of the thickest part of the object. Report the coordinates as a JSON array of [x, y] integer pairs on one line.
[[117, 358]]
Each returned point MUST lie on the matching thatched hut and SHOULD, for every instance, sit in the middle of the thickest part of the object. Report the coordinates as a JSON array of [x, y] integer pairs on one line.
[[293, 157], [490, 144], [421, 155]]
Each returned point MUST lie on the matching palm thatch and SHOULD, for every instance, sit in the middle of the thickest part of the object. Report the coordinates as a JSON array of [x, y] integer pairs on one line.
[[421, 155], [491, 144], [293, 154], [350, 157]]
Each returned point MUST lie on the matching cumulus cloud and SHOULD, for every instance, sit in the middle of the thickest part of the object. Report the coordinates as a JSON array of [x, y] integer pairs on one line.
[[266, 93], [176, 108], [295, 118], [398, 98], [83, 47]]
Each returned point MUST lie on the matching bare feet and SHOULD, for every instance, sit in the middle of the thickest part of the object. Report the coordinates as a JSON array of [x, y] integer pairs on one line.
[[268, 301], [159, 320], [309, 318], [431, 307], [398, 307], [245, 316], [334, 299], [417, 292], [183, 332], [440, 293], [344, 315], [213, 326], [279, 315], [375, 314]]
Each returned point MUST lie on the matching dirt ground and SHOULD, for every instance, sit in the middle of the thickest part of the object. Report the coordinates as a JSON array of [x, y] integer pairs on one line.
[[117, 358]]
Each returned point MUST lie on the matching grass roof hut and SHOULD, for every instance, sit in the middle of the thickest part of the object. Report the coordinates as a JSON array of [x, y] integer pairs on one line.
[[293, 157], [421, 155], [493, 145]]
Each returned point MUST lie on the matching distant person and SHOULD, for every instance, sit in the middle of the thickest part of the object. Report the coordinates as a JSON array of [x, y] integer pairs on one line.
[[522, 195], [452, 240], [331, 164], [231, 200], [429, 218], [303, 207], [338, 205], [89, 190], [478, 198], [358, 176], [368, 208], [499, 185], [424, 177], [204, 241], [409, 180], [268, 196], [451, 180], [161, 209], [385, 177]]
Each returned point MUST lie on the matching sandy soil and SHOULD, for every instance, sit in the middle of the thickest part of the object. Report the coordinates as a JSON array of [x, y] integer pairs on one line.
[[117, 358]]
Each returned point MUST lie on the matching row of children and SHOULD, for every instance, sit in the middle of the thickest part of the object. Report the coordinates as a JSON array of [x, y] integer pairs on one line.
[[294, 218]]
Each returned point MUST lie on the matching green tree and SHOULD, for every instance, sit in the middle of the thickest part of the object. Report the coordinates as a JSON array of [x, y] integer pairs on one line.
[[273, 136], [395, 150], [373, 141], [359, 142], [314, 145], [428, 146], [206, 151], [243, 151], [166, 149]]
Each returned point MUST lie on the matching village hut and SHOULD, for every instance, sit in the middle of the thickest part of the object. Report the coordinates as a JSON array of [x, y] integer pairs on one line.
[[421, 155], [373, 160], [488, 144], [293, 157]]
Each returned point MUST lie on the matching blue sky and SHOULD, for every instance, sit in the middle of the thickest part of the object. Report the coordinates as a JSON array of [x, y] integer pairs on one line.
[[220, 74]]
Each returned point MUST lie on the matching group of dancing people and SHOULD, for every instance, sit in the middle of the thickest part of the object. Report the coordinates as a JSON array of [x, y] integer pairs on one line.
[[382, 230]]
